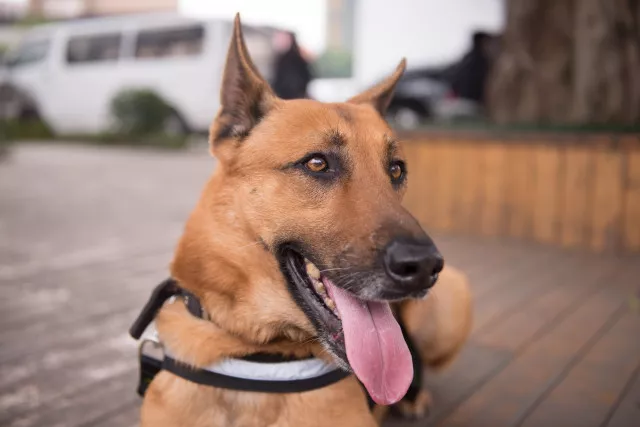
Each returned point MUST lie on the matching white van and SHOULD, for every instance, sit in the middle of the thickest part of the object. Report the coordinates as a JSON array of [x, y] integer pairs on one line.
[[68, 73]]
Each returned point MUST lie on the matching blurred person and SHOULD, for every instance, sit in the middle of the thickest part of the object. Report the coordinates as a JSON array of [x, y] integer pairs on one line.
[[470, 74], [292, 73]]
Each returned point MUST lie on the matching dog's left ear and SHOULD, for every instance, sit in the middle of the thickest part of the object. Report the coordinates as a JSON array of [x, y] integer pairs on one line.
[[379, 96], [245, 97]]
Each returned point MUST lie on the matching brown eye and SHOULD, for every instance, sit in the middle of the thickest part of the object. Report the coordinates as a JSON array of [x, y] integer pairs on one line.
[[317, 164], [396, 171]]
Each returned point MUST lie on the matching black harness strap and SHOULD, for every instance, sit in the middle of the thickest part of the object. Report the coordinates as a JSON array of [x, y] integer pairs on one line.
[[161, 293], [150, 366]]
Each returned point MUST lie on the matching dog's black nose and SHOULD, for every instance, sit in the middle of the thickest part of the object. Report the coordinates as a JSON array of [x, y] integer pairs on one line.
[[414, 264]]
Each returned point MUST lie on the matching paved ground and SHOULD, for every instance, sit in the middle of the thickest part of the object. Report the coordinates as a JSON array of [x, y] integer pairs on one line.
[[85, 233]]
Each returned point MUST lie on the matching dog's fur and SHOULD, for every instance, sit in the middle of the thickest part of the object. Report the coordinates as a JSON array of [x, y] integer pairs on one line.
[[256, 200]]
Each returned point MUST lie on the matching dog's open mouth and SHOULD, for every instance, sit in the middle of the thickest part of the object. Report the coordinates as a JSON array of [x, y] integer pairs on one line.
[[319, 288], [363, 335]]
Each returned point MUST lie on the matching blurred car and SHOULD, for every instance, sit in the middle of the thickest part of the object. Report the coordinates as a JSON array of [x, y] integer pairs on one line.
[[415, 98], [68, 73], [425, 94]]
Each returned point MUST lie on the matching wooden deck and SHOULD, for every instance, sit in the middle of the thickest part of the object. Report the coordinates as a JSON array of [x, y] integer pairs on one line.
[[86, 233]]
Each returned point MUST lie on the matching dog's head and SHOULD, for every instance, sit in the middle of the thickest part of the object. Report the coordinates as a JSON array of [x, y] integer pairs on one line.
[[319, 188]]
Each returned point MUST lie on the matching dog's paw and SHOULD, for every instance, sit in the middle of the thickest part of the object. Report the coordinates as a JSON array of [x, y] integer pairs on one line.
[[415, 409]]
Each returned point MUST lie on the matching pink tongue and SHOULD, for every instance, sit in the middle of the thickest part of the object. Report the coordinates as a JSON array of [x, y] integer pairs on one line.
[[376, 348]]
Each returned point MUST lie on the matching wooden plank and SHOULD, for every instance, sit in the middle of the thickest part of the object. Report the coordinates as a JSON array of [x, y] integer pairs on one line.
[[123, 417], [516, 265], [516, 326], [476, 220], [516, 388], [475, 364], [67, 378], [446, 191], [520, 187], [423, 178], [434, 154], [27, 277], [626, 412], [594, 384], [607, 201], [547, 195], [631, 227], [575, 212], [62, 353], [493, 189], [494, 263], [463, 255], [66, 295], [469, 197], [457, 219], [71, 314], [82, 407], [490, 306], [116, 321]]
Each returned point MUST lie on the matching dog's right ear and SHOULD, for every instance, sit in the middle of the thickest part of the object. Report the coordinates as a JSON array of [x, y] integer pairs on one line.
[[245, 97], [379, 96]]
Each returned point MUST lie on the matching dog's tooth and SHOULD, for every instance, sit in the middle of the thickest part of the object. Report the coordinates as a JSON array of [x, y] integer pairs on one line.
[[322, 288], [319, 287], [330, 303], [313, 271]]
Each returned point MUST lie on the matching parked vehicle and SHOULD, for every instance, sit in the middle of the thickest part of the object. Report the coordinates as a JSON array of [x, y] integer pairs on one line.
[[415, 98], [454, 91], [68, 73], [425, 94]]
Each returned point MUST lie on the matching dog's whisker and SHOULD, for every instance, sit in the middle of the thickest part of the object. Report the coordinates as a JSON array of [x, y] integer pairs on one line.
[[310, 340], [335, 269], [349, 280]]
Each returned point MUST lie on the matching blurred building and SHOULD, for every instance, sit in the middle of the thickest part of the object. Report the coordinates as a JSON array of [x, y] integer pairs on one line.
[[11, 11], [378, 33], [336, 62], [61, 9], [10, 34], [426, 32], [340, 14]]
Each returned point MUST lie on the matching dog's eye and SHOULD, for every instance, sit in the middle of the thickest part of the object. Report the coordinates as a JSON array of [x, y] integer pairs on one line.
[[320, 166], [397, 171], [317, 164]]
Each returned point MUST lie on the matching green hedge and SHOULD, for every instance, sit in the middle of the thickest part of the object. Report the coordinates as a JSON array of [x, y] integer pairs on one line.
[[15, 131], [139, 120], [139, 112]]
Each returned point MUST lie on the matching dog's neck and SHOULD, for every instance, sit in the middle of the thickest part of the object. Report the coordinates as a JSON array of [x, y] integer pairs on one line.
[[237, 278]]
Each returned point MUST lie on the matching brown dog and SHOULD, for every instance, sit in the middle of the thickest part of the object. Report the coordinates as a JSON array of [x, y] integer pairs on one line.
[[300, 246]]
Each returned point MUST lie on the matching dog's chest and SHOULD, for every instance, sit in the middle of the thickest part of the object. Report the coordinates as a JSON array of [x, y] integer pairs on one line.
[[227, 408]]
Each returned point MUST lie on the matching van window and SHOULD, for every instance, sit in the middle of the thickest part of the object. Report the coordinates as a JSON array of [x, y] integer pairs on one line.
[[94, 48], [29, 52], [170, 42]]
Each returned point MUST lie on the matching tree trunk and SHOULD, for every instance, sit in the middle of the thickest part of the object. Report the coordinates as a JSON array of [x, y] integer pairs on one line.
[[568, 61]]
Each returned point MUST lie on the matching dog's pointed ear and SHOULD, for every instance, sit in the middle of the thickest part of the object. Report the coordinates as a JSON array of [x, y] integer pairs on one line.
[[245, 96], [379, 96]]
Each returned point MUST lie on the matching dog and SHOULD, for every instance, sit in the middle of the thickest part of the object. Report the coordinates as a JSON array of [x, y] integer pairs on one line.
[[300, 247]]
